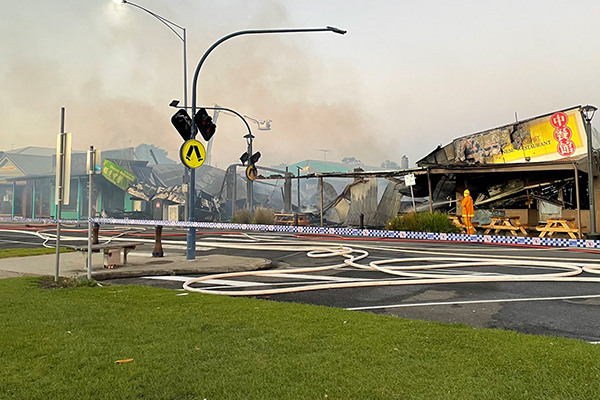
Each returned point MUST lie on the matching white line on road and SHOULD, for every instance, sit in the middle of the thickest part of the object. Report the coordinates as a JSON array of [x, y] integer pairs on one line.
[[446, 303]]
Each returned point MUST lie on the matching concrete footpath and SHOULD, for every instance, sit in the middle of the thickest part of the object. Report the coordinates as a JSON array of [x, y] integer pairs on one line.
[[140, 263]]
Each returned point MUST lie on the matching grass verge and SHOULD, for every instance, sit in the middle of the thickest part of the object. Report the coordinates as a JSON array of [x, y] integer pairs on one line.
[[65, 344], [33, 251]]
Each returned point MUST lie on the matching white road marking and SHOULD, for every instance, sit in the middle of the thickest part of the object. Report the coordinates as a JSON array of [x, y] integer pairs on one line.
[[446, 303]]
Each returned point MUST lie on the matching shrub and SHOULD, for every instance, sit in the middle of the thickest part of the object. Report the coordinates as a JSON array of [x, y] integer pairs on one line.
[[47, 282], [423, 222], [263, 216], [242, 216]]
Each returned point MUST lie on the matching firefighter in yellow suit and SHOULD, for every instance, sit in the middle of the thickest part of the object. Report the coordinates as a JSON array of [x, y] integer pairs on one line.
[[468, 212]]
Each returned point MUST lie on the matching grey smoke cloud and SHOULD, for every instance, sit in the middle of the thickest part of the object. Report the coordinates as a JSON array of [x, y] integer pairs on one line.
[[407, 77], [117, 94]]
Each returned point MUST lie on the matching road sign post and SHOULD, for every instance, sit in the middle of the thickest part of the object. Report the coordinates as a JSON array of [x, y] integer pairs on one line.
[[410, 180], [63, 180], [93, 167]]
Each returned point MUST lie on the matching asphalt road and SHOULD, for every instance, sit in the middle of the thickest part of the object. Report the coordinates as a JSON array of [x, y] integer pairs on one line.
[[559, 307]]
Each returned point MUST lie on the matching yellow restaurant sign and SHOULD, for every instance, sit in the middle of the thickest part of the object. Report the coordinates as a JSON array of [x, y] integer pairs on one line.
[[551, 137]]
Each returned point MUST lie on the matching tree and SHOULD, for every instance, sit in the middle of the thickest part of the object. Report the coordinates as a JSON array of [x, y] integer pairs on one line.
[[387, 164], [351, 161]]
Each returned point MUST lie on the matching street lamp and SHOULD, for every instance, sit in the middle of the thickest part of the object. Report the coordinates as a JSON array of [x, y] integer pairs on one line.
[[263, 125], [587, 113], [299, 169], [182, 36], [191, 235], [325, 151]]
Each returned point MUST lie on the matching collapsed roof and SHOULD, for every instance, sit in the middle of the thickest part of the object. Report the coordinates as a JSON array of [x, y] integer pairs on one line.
[[518, 163]]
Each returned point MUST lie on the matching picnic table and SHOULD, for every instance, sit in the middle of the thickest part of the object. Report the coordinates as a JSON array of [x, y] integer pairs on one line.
[[511, 224], [115, 253], [561, 225], [458, 221], [288, 219]]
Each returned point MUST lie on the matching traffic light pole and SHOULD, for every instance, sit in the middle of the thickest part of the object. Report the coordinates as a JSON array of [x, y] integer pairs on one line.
[[191, 235], [249, 182]]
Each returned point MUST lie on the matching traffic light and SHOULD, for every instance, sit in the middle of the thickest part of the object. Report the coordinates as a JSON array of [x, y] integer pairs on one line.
[[205, 125], [244, 158], [254, 158], [183, 123]]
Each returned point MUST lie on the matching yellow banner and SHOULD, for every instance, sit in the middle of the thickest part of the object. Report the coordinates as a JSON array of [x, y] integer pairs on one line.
[[548, 138]]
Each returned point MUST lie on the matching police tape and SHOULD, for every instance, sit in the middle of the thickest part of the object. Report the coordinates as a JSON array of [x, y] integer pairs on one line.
[[352, 232]]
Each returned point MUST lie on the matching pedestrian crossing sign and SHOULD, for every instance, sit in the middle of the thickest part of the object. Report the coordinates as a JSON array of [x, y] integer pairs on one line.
[[192, 153]]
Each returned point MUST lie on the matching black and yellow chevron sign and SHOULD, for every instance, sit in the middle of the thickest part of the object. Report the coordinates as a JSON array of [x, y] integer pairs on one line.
[[192, 153]]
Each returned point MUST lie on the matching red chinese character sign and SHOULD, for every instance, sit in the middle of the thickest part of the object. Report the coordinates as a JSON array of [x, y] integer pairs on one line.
[[565, 148], [559, 119], [562, 134]]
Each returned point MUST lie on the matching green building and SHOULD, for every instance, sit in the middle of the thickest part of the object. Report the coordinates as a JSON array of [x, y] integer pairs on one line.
[[27, 184]]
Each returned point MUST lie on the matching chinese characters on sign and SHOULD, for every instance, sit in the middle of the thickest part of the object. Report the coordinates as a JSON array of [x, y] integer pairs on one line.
[[562, 134], [117, 175]]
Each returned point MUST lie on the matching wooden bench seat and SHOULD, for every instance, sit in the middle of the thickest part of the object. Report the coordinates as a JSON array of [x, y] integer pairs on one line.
[[115, 253]]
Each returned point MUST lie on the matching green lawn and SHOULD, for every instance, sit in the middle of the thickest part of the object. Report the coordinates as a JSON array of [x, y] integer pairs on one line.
[[63, 344], [33, 251]]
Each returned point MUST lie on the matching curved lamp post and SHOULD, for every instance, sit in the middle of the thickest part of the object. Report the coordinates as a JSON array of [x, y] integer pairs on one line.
[[261, 126], [182, 36], [249, 136], [587, 112], [264, 125], [191, 235]]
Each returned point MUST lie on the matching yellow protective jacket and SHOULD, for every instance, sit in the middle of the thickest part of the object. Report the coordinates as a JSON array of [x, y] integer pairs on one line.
[[467, 207]]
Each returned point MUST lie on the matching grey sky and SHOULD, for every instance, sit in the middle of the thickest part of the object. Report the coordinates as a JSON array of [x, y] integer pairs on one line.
[[407, 76]]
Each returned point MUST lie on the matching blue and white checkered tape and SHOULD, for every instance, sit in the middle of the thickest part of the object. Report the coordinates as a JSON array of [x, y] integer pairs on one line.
[[375, 233]]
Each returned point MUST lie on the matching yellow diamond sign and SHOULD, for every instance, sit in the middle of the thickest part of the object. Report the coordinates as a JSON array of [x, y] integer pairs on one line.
[[192, 153], [251, 172]]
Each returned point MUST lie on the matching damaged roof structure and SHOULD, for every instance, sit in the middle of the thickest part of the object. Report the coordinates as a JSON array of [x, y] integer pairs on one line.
[[533, 168]]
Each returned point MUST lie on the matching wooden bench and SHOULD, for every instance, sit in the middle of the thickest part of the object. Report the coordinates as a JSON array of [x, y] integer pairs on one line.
[[288, 219], [458, 221], [510, 224], [115, 253], [560, 225]]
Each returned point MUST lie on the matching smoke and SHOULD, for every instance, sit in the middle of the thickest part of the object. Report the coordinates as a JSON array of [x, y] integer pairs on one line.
[[279, 77], [116, 88]]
